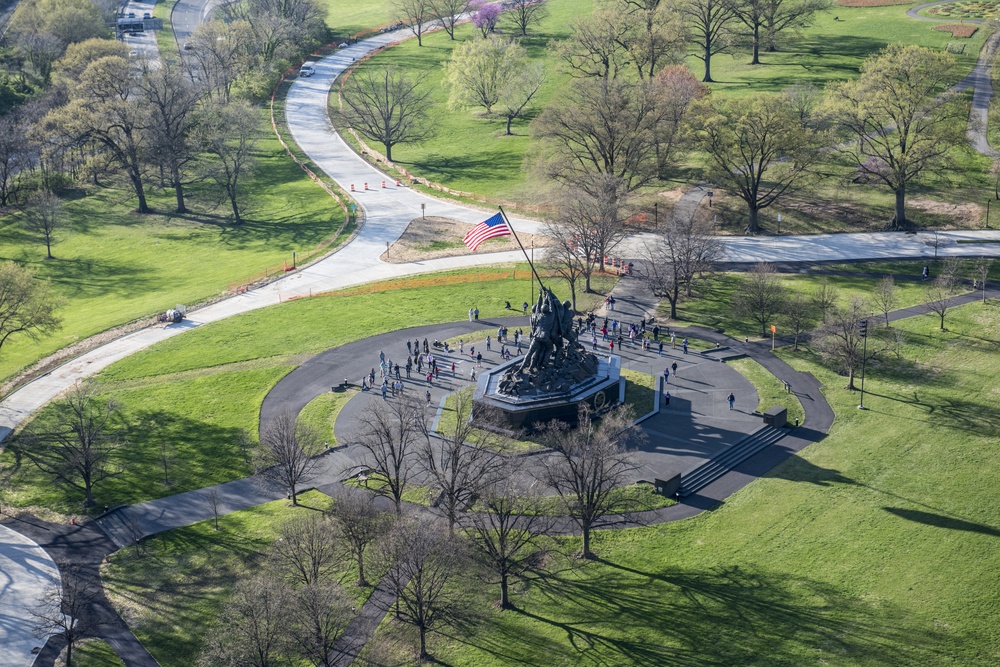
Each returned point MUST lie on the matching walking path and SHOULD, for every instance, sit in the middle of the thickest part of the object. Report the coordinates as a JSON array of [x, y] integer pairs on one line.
[[388, 211], [26, 571]]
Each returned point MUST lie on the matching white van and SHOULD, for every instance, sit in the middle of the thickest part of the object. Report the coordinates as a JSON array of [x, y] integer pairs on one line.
[[307, 69]]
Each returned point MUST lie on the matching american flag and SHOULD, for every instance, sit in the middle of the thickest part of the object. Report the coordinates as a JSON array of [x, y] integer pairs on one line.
[[487, 229]]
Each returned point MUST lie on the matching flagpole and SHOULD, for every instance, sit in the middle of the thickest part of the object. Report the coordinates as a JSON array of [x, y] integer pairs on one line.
[[530, 263]]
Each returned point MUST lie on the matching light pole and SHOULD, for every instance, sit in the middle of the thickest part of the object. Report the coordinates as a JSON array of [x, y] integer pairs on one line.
[[531, 296], [656, 215], [710, 193], [987, 214], [863, 332]]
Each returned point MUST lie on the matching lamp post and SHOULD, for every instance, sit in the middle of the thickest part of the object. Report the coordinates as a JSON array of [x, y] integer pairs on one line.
[[863, 332], [710, 193], [423, 210], [656, 215], [531, 296], [987, 214]]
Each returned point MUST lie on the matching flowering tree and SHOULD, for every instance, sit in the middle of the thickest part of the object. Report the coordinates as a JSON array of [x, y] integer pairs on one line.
[[485, 16]]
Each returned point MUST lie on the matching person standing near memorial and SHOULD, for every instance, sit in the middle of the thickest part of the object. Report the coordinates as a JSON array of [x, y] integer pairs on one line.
[[732, 400]]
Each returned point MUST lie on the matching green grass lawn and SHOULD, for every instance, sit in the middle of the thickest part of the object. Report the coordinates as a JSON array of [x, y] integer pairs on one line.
[[875, 546], [712, 306], [195, 394], [770, 391], [347, 18], [470, 154], [113, 266], [172, 597], [95, 653], [321, 413]]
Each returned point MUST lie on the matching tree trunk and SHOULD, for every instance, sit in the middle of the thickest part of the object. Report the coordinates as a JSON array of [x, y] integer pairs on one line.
[[178, 190], [850, 379], [942, 319], [141, 194], [586, 287], [504, 597], [900, 219], [388, 151], [752, 225], [69, 653], [756, 46], [89, 488], [362, 581], [708, 63], [572, 293], [423, 642], [586, 543], [509, 118], [236, 208], [48, 247], [295, 499]]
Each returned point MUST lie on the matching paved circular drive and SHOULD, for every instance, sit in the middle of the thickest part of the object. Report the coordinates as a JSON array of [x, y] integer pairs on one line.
[[25, 572]]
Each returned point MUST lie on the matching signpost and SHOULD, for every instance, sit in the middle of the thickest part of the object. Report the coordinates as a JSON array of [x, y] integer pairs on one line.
[[774, 329]]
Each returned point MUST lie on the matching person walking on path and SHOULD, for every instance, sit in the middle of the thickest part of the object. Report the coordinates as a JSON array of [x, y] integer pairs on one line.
[[524, 308], [659, 349], [666, 375], [673, 341], [385, 389], [673, 367], [732, 400], [475, 314], [472, 374], [488, 343], [925, 274], [479, 359], [428, 396], [666, 399], [470, 314], [461, 346], [684, 344], [409, 347]]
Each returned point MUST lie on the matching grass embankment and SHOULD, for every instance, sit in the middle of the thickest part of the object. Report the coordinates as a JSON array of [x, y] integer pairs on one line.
[[113, 265], [712, 306], [172, 597], [875, 546], [770, 391], [470, 153], [321, 413], [192, 396], [95, 653], [347, 18]]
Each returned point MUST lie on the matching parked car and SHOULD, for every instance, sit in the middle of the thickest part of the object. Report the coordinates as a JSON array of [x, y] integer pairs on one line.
[[131, 15], [147, 15], [187, 46]]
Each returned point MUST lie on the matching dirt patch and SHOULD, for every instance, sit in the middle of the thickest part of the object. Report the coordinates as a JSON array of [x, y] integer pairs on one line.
[[957, 29], [962, 216], [434, 237]]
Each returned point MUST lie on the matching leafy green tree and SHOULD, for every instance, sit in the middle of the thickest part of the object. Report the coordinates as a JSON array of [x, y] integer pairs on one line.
[[710, 25], [757, 148], [900, 118]]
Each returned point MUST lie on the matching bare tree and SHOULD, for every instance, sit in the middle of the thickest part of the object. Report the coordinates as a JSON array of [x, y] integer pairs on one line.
[[166, 455], [760, 295], [390, 432], [357, 523], [603, 132], [804, 99], [415, 15], [799, 318], [462, 461], [172, 100], [523, 14], [840, 340], [27, 306], [981, 274], [219, 49], [386, 106], [77, 440], [505, 531], [518, 92], [319, 614], [710, 29], [215, 502], [655, 35], [593, 221], [939, 293], [306, 548], [18, 155], [685, 250], [901, 119], [757, 149], [678, 90], [825, 298], [43, 217], [771, 17], [421, 560], [884, 297], [588, 464], [286, 454], [229, 133], [70, 610], [448, 13], [596, 47], [252, 631], [105, 111], [570, 259]]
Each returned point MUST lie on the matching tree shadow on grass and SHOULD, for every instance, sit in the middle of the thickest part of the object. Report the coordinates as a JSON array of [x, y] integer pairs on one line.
[[616, 614], [469, 168], [942, 521]]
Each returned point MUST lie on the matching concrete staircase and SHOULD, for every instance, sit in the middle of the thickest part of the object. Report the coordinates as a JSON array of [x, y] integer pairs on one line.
[[725, 461]]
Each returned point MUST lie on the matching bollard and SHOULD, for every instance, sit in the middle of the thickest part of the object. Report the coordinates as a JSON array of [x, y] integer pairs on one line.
[[352, 187], [366, 186], [383, 184], [397, 182]]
